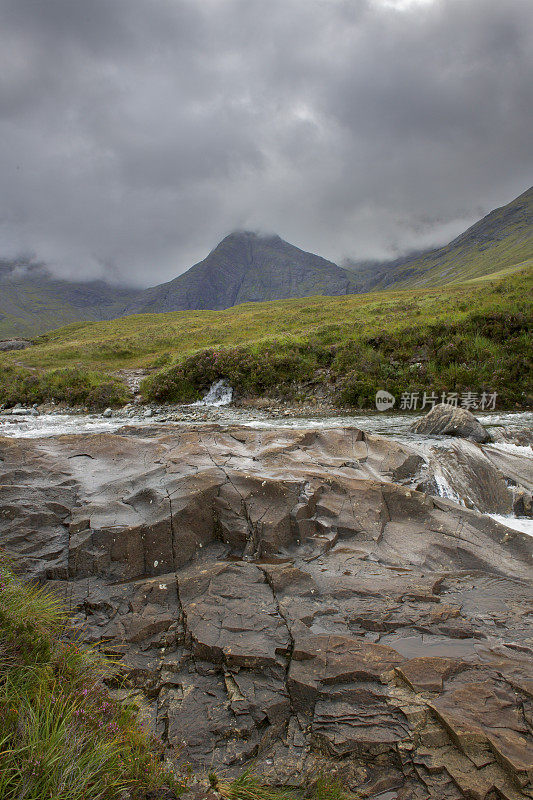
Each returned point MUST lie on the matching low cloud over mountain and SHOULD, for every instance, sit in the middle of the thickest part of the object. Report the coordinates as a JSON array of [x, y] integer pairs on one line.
[[137, 134]]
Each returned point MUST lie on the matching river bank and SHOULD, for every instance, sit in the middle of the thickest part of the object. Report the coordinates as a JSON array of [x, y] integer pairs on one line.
[[51, 416]]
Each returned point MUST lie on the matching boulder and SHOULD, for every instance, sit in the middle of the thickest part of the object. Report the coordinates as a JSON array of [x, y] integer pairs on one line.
[[447, 420], [13, 344]]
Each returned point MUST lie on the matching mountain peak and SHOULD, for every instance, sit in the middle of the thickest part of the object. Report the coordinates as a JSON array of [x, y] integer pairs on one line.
[[249, 236], [247, 266]]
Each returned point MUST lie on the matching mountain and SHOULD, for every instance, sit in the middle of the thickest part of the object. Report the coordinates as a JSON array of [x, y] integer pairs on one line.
[[32, 301], [243, 267], [501, 239], [246, 267]]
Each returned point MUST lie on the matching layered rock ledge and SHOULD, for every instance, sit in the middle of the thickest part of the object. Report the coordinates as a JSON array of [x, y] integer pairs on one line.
[[286, 598]]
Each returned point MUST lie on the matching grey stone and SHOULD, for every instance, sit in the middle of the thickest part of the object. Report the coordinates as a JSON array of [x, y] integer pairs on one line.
[[447, 420], [14, 344]]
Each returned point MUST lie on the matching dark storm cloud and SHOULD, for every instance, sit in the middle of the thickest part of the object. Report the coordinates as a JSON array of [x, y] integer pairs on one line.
[[136, 133]]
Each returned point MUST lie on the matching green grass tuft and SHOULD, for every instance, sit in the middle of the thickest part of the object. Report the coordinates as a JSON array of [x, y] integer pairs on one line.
[[249, 786], [62, 735]]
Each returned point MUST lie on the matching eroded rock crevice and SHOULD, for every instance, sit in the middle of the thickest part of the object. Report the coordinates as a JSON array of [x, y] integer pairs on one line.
[[288, 598]]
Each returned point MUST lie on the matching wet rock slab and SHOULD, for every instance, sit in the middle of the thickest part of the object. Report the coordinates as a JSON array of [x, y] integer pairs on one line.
[[286, 598]]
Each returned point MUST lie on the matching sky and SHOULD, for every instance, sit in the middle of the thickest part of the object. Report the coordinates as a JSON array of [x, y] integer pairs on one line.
[[135, 134]]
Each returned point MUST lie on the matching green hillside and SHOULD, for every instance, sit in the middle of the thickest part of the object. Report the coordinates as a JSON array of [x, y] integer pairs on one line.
[[502, 239], [33, 302], [464, 336]]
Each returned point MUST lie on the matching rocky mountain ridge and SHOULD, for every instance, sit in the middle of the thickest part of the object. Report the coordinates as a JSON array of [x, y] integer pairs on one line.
[[246, 267], [249, 267]]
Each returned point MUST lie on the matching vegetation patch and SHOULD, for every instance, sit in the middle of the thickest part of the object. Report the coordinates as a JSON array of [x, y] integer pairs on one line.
[[249, 787], [489, 353], [72, 385], [461, 337], [62, 735]]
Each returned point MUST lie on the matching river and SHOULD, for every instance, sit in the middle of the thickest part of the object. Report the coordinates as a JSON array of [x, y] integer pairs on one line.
[[455, 469]]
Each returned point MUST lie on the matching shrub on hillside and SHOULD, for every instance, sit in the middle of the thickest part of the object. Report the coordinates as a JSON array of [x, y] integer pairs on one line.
[[248, 370], [470, 355], [106, 394], [71, 385]]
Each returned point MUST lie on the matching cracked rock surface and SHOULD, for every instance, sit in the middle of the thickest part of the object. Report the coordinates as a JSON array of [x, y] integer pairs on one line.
[[286, 598]]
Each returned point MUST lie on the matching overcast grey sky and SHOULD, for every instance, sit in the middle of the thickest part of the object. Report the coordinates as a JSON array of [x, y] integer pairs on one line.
[[135, 134]]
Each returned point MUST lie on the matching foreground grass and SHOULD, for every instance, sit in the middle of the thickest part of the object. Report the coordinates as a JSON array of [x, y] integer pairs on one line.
[[249, 787], [465, 337], [62, 735]]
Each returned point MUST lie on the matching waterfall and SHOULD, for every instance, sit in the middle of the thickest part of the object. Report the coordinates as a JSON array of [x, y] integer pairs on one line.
[[481, 477], [220, 394], [445, 488]]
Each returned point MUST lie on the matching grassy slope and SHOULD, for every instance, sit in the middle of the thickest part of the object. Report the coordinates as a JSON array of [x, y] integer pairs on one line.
[[471, 336], [29, 308], [140, 340], [501, 239]]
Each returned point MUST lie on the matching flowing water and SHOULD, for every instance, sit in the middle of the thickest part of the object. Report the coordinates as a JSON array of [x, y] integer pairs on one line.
[[220, 394], [454, 468]]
